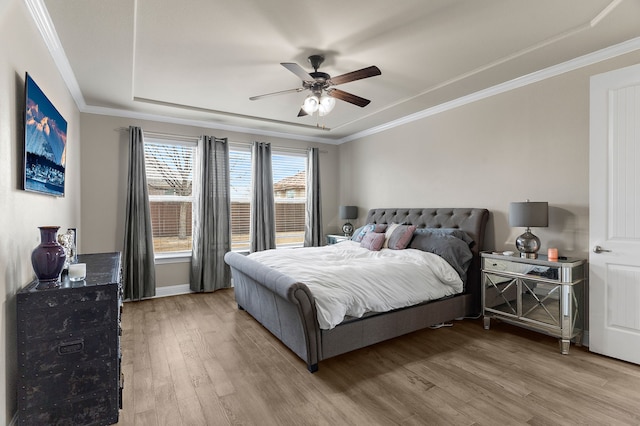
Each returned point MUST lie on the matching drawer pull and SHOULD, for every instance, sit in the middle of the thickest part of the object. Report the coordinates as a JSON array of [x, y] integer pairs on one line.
[[72, 347]]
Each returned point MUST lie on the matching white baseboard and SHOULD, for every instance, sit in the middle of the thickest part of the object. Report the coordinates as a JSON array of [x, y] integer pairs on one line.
[[172, 290], [175, 290]]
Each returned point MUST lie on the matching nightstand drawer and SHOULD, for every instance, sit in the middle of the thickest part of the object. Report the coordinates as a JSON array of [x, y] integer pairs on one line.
[[511, 267], [537, 269]]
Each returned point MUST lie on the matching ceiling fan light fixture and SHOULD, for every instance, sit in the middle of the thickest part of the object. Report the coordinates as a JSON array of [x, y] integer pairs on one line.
[[323, 96], [311, 104], [326, 104]]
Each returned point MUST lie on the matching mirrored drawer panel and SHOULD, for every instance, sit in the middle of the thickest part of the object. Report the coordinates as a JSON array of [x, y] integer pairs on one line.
[[561, 271]]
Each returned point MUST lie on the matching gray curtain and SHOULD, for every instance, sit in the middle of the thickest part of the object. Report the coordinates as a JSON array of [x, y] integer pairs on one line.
[[262, 233], [211, 226], [313, 213], [139, 271]]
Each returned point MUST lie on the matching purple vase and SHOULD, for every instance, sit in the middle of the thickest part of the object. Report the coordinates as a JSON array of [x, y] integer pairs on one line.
[[48, 258]]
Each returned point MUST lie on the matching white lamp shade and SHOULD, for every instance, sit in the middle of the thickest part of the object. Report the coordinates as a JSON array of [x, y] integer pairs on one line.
[[326, 104], [311, 104], [529, 214]]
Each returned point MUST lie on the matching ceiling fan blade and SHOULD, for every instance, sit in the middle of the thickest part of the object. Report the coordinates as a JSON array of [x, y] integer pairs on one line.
[[282, 92], [348, 97], [356, 75], [297, 70], [302, 113]]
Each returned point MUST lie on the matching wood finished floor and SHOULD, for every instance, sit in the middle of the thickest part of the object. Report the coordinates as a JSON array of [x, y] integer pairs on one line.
[[197, 360]]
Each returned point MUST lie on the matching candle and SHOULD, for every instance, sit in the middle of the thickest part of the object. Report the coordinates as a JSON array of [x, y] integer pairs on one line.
[[552, 254], [77, 271]]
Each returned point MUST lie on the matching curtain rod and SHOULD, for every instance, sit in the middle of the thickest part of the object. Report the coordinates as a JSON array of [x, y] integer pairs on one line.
[[189, 138]]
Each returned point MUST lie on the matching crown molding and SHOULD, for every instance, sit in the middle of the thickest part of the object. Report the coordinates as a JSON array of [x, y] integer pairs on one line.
[[47, 30], [535, 77]]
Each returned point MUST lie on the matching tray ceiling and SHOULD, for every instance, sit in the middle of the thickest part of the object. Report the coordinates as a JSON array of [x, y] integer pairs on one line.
[[201, 60]]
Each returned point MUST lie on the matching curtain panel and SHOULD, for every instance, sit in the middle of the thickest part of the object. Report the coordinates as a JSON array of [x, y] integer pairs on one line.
[[313, 212], [139, 272], [262, 230], [212, 221]]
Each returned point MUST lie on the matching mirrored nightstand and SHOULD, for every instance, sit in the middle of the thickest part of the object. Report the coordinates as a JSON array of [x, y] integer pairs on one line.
[[335, 238], [541, 295]]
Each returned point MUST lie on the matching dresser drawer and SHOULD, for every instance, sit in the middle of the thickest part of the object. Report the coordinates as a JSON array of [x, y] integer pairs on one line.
[[95, 408], [39, 357], [71, 381]]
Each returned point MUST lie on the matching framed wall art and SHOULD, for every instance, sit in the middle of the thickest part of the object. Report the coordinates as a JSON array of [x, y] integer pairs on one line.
[[45, 143]]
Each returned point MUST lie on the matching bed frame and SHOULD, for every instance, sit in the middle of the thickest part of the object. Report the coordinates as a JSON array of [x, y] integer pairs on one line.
[[287, 309]]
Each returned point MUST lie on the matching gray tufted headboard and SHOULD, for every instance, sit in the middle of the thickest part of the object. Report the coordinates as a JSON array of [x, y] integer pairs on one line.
[[471, 220]]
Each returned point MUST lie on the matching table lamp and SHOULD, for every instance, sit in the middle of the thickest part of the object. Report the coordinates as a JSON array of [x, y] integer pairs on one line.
[[348, 212], [529, 214]]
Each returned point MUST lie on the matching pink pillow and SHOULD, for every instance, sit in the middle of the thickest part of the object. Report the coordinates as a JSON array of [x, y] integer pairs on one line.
[[372, 241], [400, 237], [369, 227]]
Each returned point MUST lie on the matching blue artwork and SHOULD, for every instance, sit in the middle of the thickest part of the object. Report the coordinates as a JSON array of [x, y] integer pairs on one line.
[[45, 141]]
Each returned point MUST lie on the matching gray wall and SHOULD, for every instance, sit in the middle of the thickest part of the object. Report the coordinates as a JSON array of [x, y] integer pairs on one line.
[[22, 50], [528, 143]]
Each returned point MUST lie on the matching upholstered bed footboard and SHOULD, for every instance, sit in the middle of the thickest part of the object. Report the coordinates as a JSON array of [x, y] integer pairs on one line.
[[283, 306]]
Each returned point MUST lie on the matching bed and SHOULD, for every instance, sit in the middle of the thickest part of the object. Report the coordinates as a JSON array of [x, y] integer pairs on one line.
[[287, 308]]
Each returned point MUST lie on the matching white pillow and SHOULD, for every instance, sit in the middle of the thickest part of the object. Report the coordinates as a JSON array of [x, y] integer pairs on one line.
[[388, 233]]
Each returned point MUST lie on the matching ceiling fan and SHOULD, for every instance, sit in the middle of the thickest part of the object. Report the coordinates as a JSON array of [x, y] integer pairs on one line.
[[323, 96]]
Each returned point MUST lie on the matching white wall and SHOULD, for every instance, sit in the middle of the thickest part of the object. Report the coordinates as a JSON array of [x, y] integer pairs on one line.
[[104, 177], [529, 143], [22, 50]]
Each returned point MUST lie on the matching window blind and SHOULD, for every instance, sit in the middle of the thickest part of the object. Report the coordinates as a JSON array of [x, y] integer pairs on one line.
[[289, 188], [289, 185], [170, 171], [240, 182]]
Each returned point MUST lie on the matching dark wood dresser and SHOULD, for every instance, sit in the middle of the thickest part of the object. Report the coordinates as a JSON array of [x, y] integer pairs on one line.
[[69, 348]]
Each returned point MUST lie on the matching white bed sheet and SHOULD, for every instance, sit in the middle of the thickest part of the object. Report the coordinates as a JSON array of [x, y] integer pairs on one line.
[[346, 279]]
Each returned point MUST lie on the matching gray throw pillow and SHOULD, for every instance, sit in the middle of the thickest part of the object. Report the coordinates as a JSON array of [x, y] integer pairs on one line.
[[454, 250]]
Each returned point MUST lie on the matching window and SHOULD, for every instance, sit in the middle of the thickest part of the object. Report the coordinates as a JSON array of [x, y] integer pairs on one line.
[[290, 196], [289, 186], [170, 171], [240, 182]]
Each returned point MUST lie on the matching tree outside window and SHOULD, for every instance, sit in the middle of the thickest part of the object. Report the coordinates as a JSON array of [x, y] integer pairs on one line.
[[170, 180]]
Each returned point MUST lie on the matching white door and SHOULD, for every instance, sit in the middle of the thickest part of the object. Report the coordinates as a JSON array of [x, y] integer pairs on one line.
[[614, 218]]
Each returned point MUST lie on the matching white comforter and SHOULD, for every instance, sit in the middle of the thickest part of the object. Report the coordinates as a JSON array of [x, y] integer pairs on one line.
[[346, 279]]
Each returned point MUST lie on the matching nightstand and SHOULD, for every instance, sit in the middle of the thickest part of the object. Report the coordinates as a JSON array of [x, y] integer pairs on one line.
[[335, 238], [538, 294]]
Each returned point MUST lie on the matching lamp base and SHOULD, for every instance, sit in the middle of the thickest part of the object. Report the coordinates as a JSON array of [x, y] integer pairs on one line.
[[528, 245], [347, 229]]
